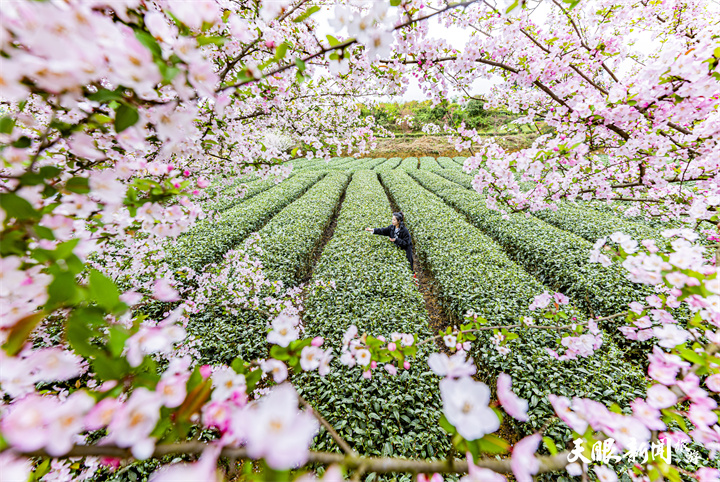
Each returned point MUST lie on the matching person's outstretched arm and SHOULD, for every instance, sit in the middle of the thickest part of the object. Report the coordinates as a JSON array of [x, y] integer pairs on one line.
[[381, 231]]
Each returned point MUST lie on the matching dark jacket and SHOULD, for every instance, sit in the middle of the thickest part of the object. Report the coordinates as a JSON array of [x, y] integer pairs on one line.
[[402, 239]]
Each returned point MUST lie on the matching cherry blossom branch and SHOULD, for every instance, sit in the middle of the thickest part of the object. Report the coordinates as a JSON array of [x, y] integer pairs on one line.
[[521, 325], [347, 43], [379, 465], [331, 430]]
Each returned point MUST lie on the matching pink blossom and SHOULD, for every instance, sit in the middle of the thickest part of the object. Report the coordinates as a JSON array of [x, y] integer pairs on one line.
[[172, 390], [325, 359], [66, 421], [41, 422], [131, 297], [283, 330], [14, 468], [134, 421], [523, 463], [105, 187], [561, 299], [541, 301], [54, 363], [218, 414], [660, 396], [317, 341], [202, 183], [227, 384], [391, 369], [24, 425], [649, 416], [83, 146], [561, 405], [701, 416], [465, 405], [206, 371], [605, 473], [429, 478], [713, 382], [205, 469], [707, 474], [363, 357], [515, 406], [156, 339], [278, 431], [102, 413], [480, 474], [455, 366], [276, 367], [310, 357], [392, 346], [163, 290], [670, 335]]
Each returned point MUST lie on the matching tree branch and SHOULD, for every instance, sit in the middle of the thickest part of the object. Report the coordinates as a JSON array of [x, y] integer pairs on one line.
[[331, 430], [380, 465], [519, 325]]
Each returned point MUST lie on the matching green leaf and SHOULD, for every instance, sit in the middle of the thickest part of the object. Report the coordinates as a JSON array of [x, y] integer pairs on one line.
[[550, 444], [447, 426], [216, 40], [22, 143], [63, 290], [79, 332], [117, 338], [300, 65], [103, 290], [333, 41], [20, 331], [105, 95], [149, 41], [395, 3], [512, 6], [17, 207], [238, 365], [493, 444], [691, 356], [280, 51], [78, 185], [305, 15], [168, 72], [7, 124], [279, 353], [125, 116]]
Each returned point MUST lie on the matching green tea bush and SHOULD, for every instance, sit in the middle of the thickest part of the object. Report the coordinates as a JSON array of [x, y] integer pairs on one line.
[[558, 258], [387, 415], [208, 241], [391, 163], [448, 163], [409, 163], [428, 163], [473, 273]]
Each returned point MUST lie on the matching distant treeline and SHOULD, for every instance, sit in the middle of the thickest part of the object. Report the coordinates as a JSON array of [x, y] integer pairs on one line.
[[411, 116]]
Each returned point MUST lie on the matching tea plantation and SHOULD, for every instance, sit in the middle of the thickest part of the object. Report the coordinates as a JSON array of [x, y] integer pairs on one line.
[[312, 232]]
